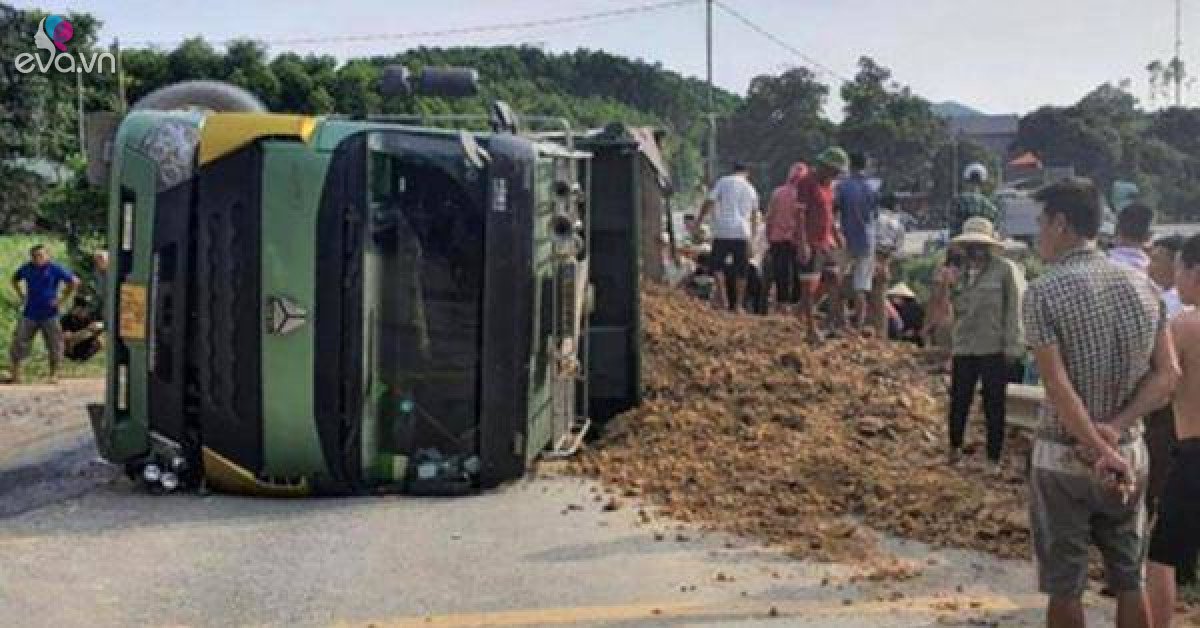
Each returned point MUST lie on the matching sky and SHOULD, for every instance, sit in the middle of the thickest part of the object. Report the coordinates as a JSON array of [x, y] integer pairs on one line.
[[999, 56]]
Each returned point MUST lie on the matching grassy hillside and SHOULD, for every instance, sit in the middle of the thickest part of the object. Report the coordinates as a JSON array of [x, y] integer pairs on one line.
[[14, 251]]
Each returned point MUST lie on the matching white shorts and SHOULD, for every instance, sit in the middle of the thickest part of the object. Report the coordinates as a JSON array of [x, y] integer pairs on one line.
[[862, 272]]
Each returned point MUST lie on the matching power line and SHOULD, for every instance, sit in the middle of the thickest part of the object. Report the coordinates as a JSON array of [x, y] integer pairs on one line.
[[467, 30], [780, 42]]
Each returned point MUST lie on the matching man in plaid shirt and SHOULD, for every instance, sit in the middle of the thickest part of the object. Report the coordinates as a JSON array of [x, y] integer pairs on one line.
[[1098, 335]]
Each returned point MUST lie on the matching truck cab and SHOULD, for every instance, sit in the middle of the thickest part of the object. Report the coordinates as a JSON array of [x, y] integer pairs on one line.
[[306, 305]]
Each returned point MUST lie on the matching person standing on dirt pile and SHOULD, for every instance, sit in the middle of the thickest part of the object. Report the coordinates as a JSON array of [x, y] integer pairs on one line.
[[1133, 238], [971, 202], [889, 238], [733, 202], [857, 206], [814, 237], [781, 236], [42, 279], [1176, 539], [1100, 341], [986, 292]]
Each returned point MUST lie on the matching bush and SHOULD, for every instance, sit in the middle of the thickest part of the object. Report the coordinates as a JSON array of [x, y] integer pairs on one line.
[[917, 272]]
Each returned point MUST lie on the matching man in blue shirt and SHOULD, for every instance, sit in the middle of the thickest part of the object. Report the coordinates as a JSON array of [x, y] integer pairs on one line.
[[42, 279], [856, 204]]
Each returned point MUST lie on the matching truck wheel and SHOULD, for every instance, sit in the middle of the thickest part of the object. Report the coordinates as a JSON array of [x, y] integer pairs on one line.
[[211, 95]]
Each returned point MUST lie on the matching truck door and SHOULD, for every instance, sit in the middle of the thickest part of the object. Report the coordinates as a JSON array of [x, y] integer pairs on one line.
[[423, 277]]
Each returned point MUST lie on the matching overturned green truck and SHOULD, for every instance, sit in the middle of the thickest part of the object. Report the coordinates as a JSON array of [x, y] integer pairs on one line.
[[334, 305]]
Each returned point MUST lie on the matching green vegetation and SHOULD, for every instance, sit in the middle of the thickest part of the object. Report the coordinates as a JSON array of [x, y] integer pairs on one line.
[[14, 251], [918, 271], [782, 121], [38, 117], [1106, 136]]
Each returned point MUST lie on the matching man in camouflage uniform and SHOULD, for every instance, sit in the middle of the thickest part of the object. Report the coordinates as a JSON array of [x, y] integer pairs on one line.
[[971, 202]]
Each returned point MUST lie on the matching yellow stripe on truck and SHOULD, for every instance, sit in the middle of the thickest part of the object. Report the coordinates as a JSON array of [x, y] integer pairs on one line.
[[224, 133], [226, 476]]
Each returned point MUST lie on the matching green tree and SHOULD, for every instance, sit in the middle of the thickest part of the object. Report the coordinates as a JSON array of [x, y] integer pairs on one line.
[[245, 66], [779, 123], [1062, 137], [38, 114], [356, 88], [195, 59], [948, 164], [891, 124]]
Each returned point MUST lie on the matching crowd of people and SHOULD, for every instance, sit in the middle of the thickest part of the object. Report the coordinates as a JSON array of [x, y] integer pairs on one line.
[[1111, 335], [816, 249]]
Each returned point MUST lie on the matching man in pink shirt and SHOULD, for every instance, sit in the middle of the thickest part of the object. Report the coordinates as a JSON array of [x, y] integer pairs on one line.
[[781, 236]]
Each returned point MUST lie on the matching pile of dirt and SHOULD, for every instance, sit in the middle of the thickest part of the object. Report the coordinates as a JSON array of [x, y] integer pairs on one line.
[[745, 429]]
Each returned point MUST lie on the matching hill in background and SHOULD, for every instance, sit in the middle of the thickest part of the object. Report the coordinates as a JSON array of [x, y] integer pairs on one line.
[[951, 109]]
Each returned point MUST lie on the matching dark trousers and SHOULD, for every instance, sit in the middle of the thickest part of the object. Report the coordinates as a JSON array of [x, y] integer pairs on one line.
[[723, 250], [1160, 442], [781, 258], [968, 371], [756, 291]]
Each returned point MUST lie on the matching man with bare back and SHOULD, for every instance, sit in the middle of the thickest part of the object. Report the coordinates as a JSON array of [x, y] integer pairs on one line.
[[1176, 538]]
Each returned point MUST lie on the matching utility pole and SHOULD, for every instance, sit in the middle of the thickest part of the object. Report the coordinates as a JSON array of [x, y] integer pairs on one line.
[[120, 76], [82, 132], [1177, 62], [712, 114]]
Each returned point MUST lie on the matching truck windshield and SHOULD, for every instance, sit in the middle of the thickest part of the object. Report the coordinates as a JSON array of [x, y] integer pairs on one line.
[[423, 271]]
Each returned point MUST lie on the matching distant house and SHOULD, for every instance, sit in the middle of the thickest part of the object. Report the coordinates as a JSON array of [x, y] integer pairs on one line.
[[996, 133], [1024, 167]]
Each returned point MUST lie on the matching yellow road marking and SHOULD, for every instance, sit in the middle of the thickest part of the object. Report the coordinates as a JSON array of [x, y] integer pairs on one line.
[[828, 608]]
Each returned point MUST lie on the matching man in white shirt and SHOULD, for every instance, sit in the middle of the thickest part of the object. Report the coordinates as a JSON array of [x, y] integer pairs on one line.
[[733, 203], [1133, 235], [1162, 271]]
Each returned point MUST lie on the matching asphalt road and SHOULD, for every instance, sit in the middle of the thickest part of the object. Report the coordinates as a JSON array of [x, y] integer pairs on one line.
[[79, 546]]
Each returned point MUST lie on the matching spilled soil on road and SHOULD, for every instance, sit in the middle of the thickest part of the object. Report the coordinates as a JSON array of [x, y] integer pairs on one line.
[[744, 429]]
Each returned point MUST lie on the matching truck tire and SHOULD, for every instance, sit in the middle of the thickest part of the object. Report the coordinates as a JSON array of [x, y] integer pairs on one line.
[[211, 95]]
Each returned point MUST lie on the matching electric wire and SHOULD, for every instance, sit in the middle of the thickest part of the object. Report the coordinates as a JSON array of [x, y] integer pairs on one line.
[[460, 31], [752, 25]]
